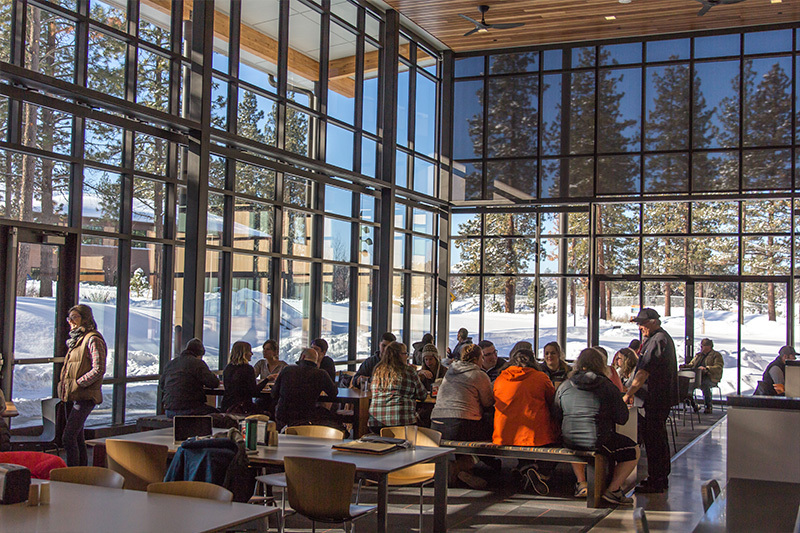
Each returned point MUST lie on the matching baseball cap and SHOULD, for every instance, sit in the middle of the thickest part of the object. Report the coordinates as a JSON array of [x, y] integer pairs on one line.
[[646, 314], [787, 350]]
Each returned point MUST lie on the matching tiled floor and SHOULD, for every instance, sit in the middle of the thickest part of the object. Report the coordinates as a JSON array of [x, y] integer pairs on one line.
[[680, 508]]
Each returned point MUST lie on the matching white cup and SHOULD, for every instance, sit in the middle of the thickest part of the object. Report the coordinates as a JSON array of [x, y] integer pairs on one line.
[[33, 496], [411, 435], [44, 493]]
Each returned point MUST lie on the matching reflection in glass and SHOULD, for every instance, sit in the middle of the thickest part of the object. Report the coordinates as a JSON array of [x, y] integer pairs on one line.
[[215, 223], [295, 307], [149, 208], [422, 254], [715, 217], [101, 200], [665, 173], [296, 233], [514, 62], [767, 102], [336, 239], [252, 225], [467, 181], [667, 125], [339, 147], [152, 83], [255, 180], [364, 314], [582, 111], [424, 176], [716, 113], [425, 116], [47, 182], [468, 119], [103, 143], [50, 43], [619, 114], [421, 304], [140, 399], [341, 74], [298, 191], [513, 116], [106, 64], [250, 299], [256, 117], [618, 174], [766, 216], [715, 171]]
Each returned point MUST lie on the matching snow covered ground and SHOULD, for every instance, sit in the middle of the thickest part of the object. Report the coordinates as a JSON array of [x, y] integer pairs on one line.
[[761, 340]]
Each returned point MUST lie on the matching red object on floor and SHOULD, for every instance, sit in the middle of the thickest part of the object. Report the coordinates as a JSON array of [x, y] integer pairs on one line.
[[40, 464]]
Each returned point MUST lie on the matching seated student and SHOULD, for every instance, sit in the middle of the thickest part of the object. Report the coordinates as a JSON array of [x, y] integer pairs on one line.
[[554, 364], [710, 363], [183, 381], [364, 371], [464, 397], [611, 372], [418, 346], [325, 362], [297, 389], [523, 397], [462, 339], [588, 406], [270, 366], [773, 382], [395, 390], [625, 362], [491, 363], [239, 379], [432, 368]]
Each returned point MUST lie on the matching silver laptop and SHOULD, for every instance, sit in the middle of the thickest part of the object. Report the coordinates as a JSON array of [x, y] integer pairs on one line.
[[187, 426]]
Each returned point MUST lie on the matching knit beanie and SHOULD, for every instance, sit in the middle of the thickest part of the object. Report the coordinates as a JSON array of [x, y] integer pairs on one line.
[[194, 347]]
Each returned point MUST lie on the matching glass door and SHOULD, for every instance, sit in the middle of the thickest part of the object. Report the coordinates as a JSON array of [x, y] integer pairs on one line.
[[32, 326]]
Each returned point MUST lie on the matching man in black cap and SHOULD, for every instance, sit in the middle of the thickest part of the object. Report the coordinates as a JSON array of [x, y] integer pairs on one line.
[[774, 379], [658, 368]]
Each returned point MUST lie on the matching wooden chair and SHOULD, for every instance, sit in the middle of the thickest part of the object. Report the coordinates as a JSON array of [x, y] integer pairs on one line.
[[640, 521], [320, 490], [192, 489], [709, 490], [278, 480], [140, 463], [319, 432], [88, 475], [421, 474]]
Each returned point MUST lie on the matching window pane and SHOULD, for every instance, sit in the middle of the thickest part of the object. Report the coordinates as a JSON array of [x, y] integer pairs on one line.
[[256, 117], [101, 200], [767, 169], [425, 116], [717, 45], [106, 64], [509, 256], [717, 84], [666, 173], [581, 128], [35, 317], [215, 223], [766, 216], [422, 221], [369, 157], [103, 143], [98, 288], [668, 50], [253, 225], [715, 171], [467, 181], [298, 191], [50, 46], [551, 114], [364, 312], [298, 130], [469, 66], [665, 256], [255, 180], [149, 208], [618, 219], [468, 120], [424, 176], [514, 62], [619, 120], [27, 178], [341, 74], [150, 154], [212, 308], [618, 255], [713, 255], [715, 217], [618, 174], [422, 254], [366, 245], [296, 233], [336, 309], [667, 112], [581, 173], [250, 299], [140, 399], [398, 292], [767, 102], [421, 305], [144, 318], [336, 240], [339, 149], [666, 218], [508, 304], [402, 105], [620, 54], [513, 117], [765, 256], [399, 250], [152, 85], [108, 14]]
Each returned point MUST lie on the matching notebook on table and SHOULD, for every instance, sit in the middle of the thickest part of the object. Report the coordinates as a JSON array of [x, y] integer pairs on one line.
[[187, 426], [371, 444]]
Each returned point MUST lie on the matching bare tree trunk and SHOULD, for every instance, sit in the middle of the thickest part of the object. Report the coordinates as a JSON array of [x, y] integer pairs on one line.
[[510, 284], [510, 291], [609, 311], [29, 138], [771, 302], [668, 299]]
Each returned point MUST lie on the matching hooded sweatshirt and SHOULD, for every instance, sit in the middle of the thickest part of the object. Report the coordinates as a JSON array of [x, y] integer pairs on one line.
[[523, 397], [464, 393], [588, 407]]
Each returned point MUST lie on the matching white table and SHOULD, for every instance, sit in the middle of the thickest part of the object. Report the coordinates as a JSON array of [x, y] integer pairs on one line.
[[379, 466], [80, 508]]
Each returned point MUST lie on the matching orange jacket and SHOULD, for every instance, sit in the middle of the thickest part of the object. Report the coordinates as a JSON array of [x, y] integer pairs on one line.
[[523, 397]]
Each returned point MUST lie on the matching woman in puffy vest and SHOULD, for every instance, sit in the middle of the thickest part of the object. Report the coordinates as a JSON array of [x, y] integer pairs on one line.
[[81, 378]]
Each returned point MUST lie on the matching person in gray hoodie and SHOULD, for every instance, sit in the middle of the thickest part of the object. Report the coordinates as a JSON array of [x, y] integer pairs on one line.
[[588, 405], [464, 395]]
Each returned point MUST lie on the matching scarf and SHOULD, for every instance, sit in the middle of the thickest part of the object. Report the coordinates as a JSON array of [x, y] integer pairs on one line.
[[75, 336]]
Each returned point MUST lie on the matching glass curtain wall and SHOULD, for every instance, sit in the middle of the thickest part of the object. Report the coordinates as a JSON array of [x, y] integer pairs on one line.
[[270, 233], [681, 151]]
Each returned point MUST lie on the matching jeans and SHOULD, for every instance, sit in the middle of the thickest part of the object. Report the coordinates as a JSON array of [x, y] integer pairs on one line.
[[72, 438], [705, 386]]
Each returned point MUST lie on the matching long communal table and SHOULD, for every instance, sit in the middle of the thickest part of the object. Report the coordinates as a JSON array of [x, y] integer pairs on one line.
[[377, 466], [75, 507]]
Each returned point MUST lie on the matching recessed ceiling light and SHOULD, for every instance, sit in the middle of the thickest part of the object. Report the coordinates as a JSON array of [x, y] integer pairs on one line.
[[776, 1], [611, 17], [624, 1]]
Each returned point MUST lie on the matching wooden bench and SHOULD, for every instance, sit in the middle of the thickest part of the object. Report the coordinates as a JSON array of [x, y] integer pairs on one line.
[[596, 464]]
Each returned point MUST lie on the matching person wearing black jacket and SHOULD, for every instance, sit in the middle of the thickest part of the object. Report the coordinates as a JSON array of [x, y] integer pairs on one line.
[[297, 389], [184, 380], [588, 406]]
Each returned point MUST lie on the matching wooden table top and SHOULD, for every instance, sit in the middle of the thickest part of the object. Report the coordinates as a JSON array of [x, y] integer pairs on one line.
[[75, 507], [296, 445]]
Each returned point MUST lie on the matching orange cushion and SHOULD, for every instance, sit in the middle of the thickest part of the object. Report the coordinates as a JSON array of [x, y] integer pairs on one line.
[[40, 464]]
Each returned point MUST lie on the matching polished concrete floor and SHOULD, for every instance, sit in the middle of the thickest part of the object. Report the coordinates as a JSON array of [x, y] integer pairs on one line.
[[681, 507]]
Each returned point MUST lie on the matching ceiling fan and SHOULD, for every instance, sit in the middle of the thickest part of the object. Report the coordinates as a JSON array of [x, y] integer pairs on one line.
[[483, 27], [708, 4]]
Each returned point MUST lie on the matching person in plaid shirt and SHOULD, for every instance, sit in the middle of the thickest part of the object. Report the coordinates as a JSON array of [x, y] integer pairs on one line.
[[395, 389]]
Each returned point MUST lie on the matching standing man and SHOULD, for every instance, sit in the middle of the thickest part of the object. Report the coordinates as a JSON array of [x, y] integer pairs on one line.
[[710, 363], [774, 379], [658, 368]]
